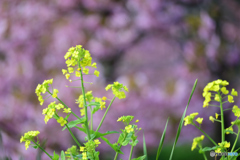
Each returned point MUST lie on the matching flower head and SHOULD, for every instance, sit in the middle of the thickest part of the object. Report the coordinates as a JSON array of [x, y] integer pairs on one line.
[[230, 99], [197, 141], [199, 120], [234, 93], [117, 89], [62, 121], [211, 118], [236, 111], [78, 56], [189, 119], [224, 144], [129, 128], [28, 137]]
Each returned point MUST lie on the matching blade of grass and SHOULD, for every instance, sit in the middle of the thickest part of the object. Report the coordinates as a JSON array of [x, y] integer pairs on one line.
[[182, 119], [162, 140], [144, 147], [62, 155]]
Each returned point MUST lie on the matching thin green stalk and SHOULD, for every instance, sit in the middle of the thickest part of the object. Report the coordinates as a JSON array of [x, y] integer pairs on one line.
[[91, 119], [204, 155], [235, 141], [206, 135], [105, 114], [222, 118], [130, 155], [73, 136], [42, 149], [85, 104]]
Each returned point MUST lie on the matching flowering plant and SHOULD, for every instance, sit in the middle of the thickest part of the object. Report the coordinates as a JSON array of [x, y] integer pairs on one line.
[[217, 93], [79, 62]]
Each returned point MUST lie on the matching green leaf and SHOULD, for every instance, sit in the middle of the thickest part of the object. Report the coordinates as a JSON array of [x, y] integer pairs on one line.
[[96, 155], [127, 139], [121, 138], [55, 156], [35, 146], [140, 158], [93, 104], [74, 123], [62, 155], [81, 129], [134, 143], [113, 146], [95, 109], [162, 140], [182, 119], [66, 118], [208, 149], [231, 132], [96, 135], [144, 147]]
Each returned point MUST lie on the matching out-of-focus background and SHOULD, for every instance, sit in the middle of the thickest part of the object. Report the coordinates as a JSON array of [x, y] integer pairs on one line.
[[157, 48]]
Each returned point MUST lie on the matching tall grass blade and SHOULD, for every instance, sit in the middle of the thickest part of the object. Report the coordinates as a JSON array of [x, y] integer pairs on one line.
[[144, 147], [181, 121], [162, 140]]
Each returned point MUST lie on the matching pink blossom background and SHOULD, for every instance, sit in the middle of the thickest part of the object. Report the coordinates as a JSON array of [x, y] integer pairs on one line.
[[156, 48]]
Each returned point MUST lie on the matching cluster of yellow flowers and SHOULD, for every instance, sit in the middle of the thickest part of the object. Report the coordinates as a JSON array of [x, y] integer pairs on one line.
[[28, 137], [129, 127], [89, 97], [217, 87], [78, 61], [51, 110], [117, 89], [215, 91], [223, 145], [43, 88], [197, 141], [78, 58], [89, 148], [189, 119]]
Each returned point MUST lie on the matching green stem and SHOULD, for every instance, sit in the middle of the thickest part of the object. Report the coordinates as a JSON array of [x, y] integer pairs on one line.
[[105, 114], [75, 139], [71, 134], [116, 155], [235, 141], [206, 135], [42, 149], [91, 119], [85, 104], [204, 155], [130, 155], [222, 118]]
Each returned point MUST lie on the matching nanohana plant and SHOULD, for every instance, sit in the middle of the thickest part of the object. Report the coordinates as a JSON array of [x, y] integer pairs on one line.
[[79, 63], [216, 95]]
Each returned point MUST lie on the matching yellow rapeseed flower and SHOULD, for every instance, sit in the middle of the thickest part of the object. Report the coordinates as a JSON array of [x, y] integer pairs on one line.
[[199, 120], [234, 93], [230, 99], [197, 141], [211, 118]]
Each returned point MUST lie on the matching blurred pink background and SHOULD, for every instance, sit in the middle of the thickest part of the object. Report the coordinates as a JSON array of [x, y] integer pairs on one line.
[[157, 48]]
